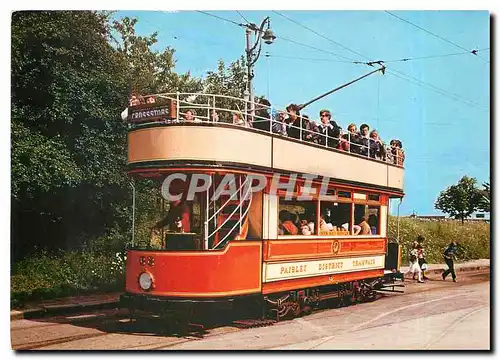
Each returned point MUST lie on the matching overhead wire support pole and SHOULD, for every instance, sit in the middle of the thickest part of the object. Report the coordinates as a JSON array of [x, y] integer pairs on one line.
[[381, 69]]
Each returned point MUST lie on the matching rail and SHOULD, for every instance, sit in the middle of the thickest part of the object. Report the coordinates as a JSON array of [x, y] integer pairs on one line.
[[175, 108]]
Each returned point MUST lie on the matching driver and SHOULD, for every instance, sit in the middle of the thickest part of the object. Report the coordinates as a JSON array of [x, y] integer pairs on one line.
[[178, 218]]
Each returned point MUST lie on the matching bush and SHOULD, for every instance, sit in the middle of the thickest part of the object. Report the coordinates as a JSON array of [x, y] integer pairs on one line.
[[44, 276], [473, 237]]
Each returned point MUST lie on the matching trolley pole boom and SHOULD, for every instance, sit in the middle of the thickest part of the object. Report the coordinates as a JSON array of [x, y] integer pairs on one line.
[[381, 69]]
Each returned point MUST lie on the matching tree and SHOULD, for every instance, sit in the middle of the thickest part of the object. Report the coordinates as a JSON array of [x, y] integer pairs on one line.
[[229, 81], [68, 144], [149, 71], [460, 200], [485, 197], [70, 82]]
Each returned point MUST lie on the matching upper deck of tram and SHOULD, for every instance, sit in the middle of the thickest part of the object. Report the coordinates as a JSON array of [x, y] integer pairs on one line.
[[172, 131]]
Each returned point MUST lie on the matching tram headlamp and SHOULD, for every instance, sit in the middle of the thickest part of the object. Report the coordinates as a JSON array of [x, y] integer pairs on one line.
[[145, 281]]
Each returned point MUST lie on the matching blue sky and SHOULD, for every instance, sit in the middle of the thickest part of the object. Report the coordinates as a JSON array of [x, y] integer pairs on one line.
[[444, 138]]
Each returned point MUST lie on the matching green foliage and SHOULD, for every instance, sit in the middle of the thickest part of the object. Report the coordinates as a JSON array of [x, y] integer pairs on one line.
[[461, 200], [44, 276], [484, 205], [228, 81], [148, 71], [473, 237]]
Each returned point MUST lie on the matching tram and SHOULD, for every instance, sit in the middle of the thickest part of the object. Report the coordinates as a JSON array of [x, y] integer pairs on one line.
[[239, 237]]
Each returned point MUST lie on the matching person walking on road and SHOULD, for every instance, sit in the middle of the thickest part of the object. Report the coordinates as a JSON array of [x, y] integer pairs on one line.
[[414, 267], [421, 256], [449, 253]]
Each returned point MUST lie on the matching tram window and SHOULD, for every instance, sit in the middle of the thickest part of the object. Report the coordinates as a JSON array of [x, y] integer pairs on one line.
[[344, 194], [371, 215], [296, 217], [336, 214], [374, 197]]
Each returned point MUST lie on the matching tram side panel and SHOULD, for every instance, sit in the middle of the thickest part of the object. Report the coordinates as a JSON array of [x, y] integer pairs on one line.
[[296, 264], [234, 271]]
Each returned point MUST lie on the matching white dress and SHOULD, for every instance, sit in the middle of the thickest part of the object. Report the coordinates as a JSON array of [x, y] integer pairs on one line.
[[414, 267]]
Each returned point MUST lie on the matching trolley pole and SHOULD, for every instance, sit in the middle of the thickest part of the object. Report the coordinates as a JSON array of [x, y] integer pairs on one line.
[[248, 33]]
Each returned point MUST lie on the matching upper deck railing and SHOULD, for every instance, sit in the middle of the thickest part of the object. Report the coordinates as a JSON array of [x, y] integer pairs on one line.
[[175, 108]]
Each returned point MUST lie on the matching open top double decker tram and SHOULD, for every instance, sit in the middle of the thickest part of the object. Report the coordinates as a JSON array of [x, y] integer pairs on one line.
[[251, 215]]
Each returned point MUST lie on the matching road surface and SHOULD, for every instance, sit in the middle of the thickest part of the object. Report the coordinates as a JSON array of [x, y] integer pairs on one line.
[[435, 315]]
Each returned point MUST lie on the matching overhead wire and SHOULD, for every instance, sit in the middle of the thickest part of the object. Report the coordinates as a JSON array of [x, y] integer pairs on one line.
[[244, 18], [384, 61], [320, 35], [433, 34], [392, 72], [218, 17], [408, 77]]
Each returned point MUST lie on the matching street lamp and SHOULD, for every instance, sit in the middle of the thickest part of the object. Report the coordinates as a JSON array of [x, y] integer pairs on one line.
[[261, 34]]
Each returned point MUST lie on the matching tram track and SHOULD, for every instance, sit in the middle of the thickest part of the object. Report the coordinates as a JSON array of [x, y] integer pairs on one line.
[[122, 333]]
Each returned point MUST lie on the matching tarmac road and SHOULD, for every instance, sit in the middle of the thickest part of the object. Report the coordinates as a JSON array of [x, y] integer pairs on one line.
[[435, 315]]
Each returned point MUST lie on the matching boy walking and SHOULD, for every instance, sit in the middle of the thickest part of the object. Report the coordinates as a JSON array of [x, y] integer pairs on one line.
[[448, 254]]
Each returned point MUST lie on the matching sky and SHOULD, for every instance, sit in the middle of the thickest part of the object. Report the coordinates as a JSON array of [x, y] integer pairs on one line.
[[441, 113]]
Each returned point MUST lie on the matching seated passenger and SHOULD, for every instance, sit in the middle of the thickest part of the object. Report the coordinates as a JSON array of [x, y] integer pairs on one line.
[[134, 100], [362, 228], [310, 130], [287, 225], [377, 146], [150, 100], [373, 222], [214, 116], [238, 119], [353, 138], [294, 121], [280, 126], [323, 225], [307, 225], [190, 116], [328, 130]]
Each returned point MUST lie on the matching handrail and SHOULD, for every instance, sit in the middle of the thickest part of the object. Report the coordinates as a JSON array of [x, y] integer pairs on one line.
[[228, 200], [222, 242], [182, 102], [234, 211]]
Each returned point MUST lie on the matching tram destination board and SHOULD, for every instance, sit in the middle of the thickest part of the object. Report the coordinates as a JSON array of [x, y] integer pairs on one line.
[[149, 112]]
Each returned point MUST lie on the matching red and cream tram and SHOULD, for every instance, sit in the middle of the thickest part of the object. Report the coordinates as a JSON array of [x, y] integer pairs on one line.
[[246, 244]]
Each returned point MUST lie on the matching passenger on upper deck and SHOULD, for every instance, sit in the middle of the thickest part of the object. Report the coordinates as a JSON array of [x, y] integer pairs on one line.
[[261, 120], [134, 100], [294, 121], [354, 139], [190, 116], [364, 139], [377, 146], [214, 116], [150, 100], [310, 130], [238, 119], [280, 126], [397, 152], [328, 129]]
